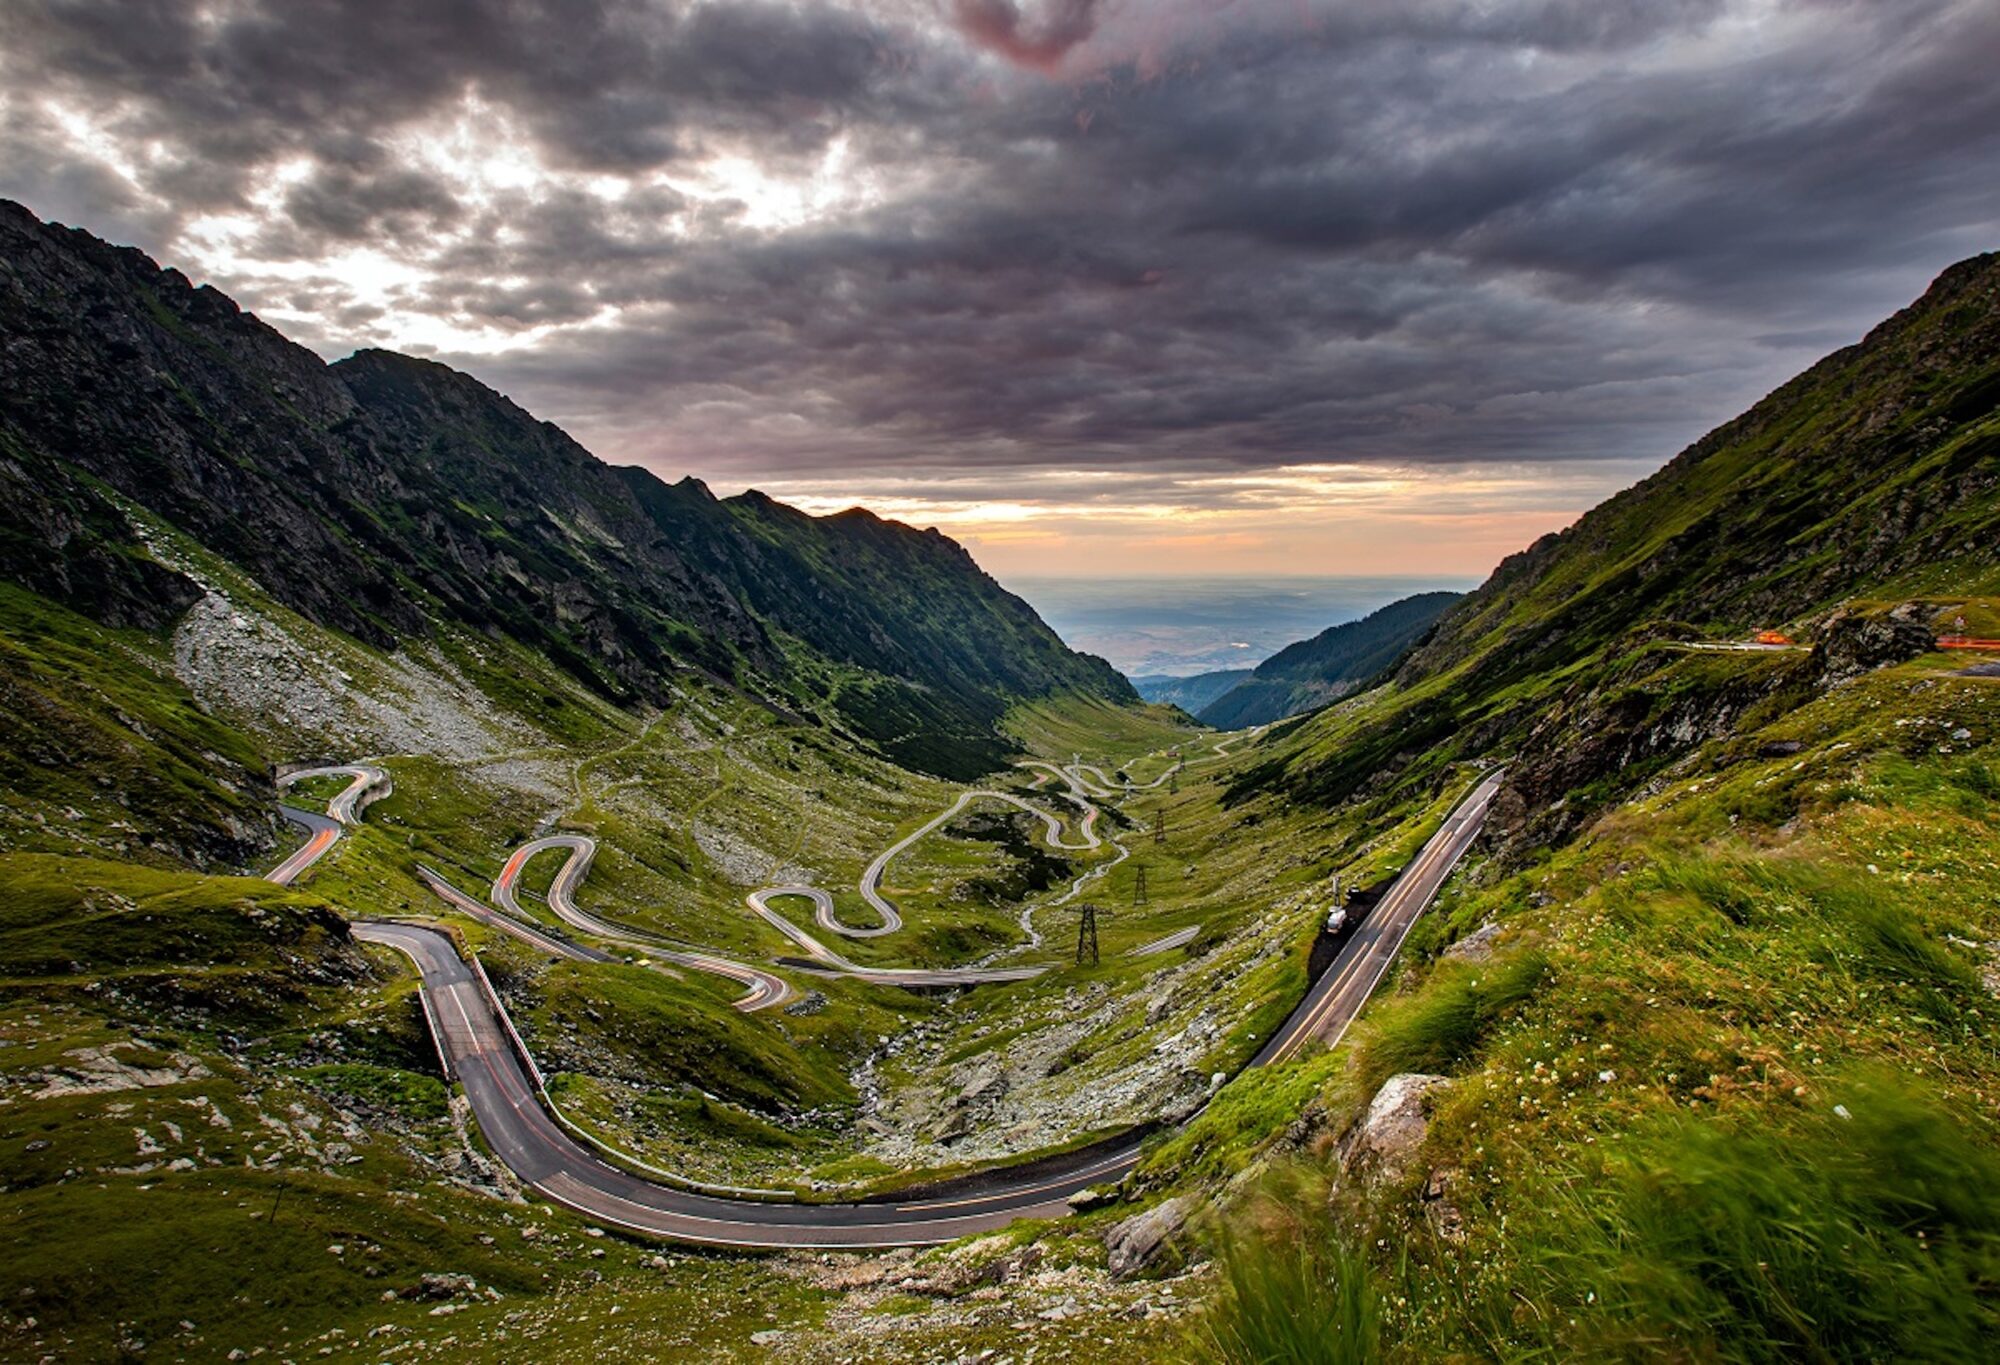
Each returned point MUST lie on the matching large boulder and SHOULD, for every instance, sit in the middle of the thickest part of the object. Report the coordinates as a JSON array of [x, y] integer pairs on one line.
[[1138, 1241], [1382, 1145]]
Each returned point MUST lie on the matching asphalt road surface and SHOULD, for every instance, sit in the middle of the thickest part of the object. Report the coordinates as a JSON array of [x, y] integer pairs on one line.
[[871, 880], [522, 928], [1167, 942], [832, 962], [322, 833], [522, 1134], [1337, 997], [369, 784], [475, 1038]]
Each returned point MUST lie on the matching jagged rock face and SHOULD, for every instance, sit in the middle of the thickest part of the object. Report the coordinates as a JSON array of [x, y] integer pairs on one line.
[[1616, 728], [199, 412], [1612, 731], [1852, 644], [550, 524], [383, 494]]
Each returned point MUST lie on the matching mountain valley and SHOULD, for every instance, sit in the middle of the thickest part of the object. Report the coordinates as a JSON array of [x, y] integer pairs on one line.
[[1658, 1015]]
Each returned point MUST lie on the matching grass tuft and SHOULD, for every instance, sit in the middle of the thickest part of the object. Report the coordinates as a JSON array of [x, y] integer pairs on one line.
[[1441, 1026], [1293, 1291], [1871, 1231]]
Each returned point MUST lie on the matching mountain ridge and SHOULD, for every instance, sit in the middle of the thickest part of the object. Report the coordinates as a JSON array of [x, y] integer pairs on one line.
[[416, 493], [1191, 692], [1875, 472]]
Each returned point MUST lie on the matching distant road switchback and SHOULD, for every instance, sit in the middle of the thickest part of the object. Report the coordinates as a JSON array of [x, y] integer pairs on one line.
[[369, 784]]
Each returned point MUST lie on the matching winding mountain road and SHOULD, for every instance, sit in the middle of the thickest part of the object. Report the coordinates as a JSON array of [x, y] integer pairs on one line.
[[481, 1049], [321, 834], [527, 1138], [369, 784], [764, 988], [832, 962], [524, 929], [871, 880]]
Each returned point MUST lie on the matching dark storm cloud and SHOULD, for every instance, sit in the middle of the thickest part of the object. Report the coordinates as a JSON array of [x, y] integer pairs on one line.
[[1001, 26], [340, 202], [1228, 238]]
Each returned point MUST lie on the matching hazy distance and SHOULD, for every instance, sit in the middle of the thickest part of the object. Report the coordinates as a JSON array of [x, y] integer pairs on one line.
[[1181, 626]]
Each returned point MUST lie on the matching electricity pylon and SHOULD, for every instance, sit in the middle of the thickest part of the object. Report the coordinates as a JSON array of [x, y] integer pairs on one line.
[[1139, 885], [1086, 934]]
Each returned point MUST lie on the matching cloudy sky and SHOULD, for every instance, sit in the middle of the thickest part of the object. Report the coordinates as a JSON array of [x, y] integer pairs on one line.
[[1096, 285]]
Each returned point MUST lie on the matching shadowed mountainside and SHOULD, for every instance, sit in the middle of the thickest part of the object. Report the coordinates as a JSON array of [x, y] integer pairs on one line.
[[382, 494], [1192, 692]]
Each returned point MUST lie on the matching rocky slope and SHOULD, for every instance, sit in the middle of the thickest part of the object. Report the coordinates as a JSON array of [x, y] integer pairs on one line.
[[384, 495]]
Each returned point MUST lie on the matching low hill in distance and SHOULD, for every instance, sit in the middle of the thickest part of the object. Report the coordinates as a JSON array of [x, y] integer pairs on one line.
[[1337, 661], [1190, 693]]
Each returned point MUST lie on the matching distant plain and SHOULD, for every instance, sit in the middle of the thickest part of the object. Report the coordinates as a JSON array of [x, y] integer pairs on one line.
[[1181, 626]]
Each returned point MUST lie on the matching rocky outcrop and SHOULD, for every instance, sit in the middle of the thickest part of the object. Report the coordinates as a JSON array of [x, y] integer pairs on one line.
[[99, 1071], [1853, 643], [1093, 1197], [1143, 1238], [1476, 946], [1383, 1145], [1610, 731], [1443, 1207]]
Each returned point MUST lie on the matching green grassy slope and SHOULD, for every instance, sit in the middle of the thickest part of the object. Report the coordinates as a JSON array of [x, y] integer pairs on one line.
[[101, 747], [219, 1137], [1874, 474], [1727, 1090], [1723, 1085]]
